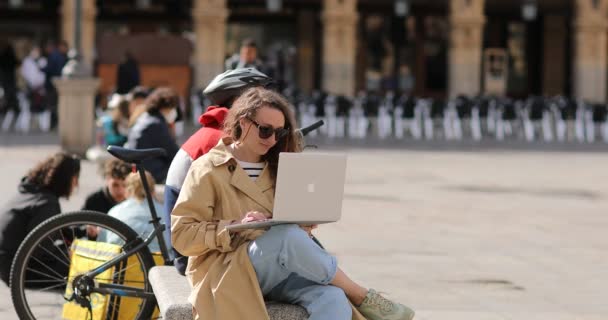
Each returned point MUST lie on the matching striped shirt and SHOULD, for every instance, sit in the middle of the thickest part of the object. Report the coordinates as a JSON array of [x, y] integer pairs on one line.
[[253, 169]]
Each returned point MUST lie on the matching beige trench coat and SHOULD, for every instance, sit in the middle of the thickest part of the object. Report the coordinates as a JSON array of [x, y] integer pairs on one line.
[[215, 192]]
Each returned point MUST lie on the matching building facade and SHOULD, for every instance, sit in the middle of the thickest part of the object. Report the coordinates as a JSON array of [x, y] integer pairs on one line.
[[439, 48]]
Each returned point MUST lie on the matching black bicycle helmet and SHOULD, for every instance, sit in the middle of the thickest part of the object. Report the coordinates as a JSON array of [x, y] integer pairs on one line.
[[226, 86]]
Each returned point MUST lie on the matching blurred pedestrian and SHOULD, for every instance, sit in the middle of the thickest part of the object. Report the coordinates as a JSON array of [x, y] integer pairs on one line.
[[152, 129], [34, 79], [57, 57], [37, 200], [115, 123], [137, 97], [128, 74], [246, 58], [31, 71], [8, 82]]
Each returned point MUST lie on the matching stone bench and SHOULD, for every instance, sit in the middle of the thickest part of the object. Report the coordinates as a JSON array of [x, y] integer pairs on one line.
[[172, 290]]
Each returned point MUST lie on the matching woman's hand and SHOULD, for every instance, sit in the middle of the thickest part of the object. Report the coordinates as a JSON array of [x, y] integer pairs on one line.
[[249, 217], [253, 216], [309, 228]]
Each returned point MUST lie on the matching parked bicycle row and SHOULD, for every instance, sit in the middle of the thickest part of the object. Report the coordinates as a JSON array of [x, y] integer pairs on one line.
[[546, 119], [550, 119]]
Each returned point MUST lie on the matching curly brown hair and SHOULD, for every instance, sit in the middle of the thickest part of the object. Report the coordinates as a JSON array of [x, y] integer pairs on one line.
[[115, 168], [247, 105], [55, 173], [160, 98]]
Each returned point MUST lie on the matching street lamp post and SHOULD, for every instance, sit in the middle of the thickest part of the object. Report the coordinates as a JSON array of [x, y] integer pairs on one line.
[[77, 89], [77, 19], [75, 67]]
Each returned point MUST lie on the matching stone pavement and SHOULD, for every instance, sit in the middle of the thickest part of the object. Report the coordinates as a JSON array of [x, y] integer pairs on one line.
[[476, 235]]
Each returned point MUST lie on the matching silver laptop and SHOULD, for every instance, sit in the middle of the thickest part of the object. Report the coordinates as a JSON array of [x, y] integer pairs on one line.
[[309, 190]]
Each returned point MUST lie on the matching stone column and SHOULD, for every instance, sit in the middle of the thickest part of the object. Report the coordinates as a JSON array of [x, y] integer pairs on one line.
[[466, 40], [554, 54], [87, 27], [339, 46], [68, 10], [76, 113], [306, 50], [209, 22], [590, 26]]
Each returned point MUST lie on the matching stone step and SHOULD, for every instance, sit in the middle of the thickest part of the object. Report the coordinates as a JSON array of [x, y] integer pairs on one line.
[[172, 289]]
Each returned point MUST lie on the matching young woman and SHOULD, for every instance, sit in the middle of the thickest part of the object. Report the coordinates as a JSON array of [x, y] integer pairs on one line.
[[232, 273], [36, 202], [134, 211]]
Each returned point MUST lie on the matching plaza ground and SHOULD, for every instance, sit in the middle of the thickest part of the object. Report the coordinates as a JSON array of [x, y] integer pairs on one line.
[[482, 234]]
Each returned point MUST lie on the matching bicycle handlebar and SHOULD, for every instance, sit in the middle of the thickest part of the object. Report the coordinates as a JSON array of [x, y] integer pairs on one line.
[[306, 130]]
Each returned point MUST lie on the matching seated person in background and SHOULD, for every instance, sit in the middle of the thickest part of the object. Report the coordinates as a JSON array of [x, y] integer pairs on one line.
[[134, 211], [114, 171], [37, 200], [115, 123], [152, 130]]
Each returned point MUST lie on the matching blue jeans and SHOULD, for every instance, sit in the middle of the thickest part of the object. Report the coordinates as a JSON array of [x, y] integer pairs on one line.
[[292, 268]]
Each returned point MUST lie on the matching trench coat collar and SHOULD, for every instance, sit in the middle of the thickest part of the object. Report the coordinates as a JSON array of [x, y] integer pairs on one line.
[[221, 154]]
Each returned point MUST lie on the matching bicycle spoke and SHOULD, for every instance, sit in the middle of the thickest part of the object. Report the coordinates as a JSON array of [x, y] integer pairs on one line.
[[46, 266], [67, 264], [65, 245], [124, 270], [42, 281], [44, 274], [51, 287], [114, 306]]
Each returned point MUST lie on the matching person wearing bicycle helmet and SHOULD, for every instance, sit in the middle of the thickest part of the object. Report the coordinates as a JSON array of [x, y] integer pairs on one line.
[[232, 272], [221, 91]]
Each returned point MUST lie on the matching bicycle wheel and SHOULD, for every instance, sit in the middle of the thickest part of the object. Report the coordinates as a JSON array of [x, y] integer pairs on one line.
[[39, 280]]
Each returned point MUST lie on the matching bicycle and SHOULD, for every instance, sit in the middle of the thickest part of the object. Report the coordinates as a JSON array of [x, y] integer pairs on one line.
[[33, 266]]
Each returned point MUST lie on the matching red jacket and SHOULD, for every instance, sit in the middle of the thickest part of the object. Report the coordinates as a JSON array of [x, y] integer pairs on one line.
[[208, 136]]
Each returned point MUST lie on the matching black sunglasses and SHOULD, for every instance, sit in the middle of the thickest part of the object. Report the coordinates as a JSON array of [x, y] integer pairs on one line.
[[265, 132]]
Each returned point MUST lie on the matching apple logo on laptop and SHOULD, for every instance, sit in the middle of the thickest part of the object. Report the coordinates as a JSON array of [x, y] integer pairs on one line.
[[311, 188]]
